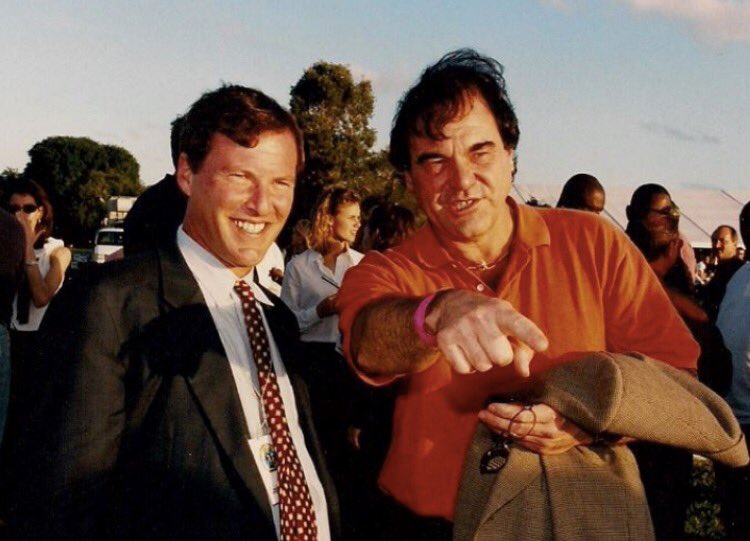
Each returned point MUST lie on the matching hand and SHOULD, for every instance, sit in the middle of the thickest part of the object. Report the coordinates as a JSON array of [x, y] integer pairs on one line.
[[28, 224], [327, 307], [476, 332], [538, 428]]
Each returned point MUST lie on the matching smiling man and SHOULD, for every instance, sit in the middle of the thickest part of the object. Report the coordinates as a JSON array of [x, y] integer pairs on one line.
[[179, 414], [485, 294]]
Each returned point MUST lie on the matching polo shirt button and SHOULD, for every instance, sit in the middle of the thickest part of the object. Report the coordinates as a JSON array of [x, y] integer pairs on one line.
[[480, 287]]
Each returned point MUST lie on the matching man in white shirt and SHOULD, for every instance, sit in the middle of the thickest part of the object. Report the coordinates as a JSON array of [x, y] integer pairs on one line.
[[734, 323], [171, 407]]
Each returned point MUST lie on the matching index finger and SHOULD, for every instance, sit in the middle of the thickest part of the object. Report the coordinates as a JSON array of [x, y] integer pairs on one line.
[[513, 323]]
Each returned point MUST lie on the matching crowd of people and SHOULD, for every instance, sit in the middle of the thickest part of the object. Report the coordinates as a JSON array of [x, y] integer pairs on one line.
[[496, 373]]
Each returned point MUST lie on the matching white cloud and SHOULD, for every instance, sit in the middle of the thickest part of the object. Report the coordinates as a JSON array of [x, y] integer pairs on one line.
[[711, 20]]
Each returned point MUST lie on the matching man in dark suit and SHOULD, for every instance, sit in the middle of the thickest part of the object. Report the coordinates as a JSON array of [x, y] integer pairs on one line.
[[177, 413]]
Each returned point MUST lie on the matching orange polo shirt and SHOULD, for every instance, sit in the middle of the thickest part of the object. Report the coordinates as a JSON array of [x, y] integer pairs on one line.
[[575, 275]]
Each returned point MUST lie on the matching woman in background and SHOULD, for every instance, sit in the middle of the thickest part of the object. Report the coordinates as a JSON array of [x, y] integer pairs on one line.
[[311, 284], [45, 261]]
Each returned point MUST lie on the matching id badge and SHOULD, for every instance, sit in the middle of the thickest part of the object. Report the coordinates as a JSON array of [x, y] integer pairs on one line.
[[265, 459]]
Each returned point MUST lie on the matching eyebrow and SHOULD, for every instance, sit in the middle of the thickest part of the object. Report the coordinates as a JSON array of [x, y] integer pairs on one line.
[[482, 146], [426, 156]]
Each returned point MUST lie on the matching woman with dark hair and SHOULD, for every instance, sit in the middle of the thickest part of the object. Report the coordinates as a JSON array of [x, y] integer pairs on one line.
[[45, 261]]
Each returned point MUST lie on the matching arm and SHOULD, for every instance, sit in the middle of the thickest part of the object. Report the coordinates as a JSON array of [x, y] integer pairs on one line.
[[474, 333], [44, 288], [291, 293], [73, 447]]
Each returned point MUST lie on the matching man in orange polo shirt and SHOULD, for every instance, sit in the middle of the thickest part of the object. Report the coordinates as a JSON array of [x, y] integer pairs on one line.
[[485, 294]]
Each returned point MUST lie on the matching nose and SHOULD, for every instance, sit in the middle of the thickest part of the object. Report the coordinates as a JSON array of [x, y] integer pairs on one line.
[[258, 200], [463, 174]]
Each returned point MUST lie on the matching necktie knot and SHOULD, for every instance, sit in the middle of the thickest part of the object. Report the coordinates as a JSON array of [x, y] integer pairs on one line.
[[243, 290]]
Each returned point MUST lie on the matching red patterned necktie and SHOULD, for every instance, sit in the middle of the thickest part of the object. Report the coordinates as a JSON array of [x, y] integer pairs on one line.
[[296, 509]]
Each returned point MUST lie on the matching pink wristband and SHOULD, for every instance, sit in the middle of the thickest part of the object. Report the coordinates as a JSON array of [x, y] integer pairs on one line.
[[428, 339]]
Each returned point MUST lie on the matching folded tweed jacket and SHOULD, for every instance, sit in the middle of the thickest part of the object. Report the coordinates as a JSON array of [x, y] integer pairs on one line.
[[594, 492]]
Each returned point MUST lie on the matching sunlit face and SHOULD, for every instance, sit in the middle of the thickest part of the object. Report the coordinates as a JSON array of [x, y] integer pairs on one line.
[[725, 247], [594, 201], [462, 180], [240, 197], [660, 210], [19, 200], [346, 223]]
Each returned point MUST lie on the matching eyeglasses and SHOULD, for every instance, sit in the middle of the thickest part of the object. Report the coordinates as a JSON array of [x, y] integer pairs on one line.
[[27, 208], [668, 212], [495, 458]]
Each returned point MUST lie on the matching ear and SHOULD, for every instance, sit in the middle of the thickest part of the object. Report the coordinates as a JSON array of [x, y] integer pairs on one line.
[[408, 181], [184, 174]]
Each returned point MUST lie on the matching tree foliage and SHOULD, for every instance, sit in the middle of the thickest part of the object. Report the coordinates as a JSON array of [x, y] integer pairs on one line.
[[80, 175], [334, 114]]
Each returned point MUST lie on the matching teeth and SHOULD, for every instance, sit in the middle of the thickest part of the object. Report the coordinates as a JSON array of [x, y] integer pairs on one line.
[[461, 205], [250, 227]]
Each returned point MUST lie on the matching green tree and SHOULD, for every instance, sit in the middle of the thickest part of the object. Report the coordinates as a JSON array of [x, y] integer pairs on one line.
[[79, 175], [7, 175], [334, 114]]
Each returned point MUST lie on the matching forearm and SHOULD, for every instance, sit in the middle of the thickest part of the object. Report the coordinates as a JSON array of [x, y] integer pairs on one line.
[[40, 293], [384, 342]]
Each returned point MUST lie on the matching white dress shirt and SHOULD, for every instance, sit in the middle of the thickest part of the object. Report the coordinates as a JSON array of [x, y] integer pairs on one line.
[[307, 281], [216, 282]]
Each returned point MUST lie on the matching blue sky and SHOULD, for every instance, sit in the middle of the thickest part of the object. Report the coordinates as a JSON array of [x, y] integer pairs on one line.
[[628, 90]]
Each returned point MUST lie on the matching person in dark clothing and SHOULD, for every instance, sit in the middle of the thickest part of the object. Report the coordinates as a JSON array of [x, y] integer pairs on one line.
[[583, 192], [158, 212], [11, 261], [724, 241]]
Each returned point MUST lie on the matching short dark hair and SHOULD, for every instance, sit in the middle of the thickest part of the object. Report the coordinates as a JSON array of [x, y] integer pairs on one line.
[[732, 231], [573, 194], [26, 186], [440, 95], [640, 201], [745, 224], [389, 224], [174, 138], [242, 114]]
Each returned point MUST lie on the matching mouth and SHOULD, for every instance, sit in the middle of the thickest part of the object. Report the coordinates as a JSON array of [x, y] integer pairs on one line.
[[250, 227], [462, 205]]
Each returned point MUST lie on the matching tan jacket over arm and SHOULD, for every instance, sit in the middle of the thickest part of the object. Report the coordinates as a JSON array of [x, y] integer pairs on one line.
[[594, 492]]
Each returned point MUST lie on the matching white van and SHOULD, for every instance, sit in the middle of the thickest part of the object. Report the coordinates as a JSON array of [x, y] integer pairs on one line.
[[107, 241]]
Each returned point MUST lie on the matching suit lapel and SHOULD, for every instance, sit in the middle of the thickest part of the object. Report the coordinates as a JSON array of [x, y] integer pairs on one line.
[[210, 377]]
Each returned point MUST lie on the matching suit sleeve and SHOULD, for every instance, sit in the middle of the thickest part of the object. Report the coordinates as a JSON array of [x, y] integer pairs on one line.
[[83, 417]]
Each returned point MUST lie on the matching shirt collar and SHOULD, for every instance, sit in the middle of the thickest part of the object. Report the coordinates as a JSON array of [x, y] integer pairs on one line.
[[530, 232], [211, 273]]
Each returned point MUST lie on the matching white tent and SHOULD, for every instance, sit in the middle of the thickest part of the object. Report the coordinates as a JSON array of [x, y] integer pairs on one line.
[[703, 209]]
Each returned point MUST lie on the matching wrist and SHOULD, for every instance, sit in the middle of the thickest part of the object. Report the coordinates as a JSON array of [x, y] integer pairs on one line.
[[426, 336]]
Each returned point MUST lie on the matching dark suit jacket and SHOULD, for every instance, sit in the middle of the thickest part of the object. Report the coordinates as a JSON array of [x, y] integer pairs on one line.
[[142, 435]]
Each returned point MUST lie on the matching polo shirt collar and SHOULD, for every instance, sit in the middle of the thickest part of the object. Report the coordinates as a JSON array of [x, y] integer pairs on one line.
[[530, 232]]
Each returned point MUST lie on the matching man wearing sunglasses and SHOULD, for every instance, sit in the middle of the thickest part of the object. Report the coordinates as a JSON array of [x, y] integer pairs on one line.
[[487, 293]]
